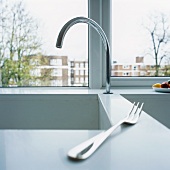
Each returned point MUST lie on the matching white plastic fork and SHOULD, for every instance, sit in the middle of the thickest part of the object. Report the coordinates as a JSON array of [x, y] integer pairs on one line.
[[87, 148]]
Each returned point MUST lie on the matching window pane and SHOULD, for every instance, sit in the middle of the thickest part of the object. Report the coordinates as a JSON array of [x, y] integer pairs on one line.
[[140, 38], [28, 35]]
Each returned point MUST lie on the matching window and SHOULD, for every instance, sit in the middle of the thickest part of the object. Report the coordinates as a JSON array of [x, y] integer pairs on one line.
[[35, 25], [77, 80], [35, 72], [126, 67], [56, 62], [81, 72], [56, 82], [72, 63], [99, 11], [77, 72], [34, 62], [72, 71], [56, 72], [86, 72], [81, 80], [133, 21], [86, 80], [126, 74], [81, 65], [135, 67], [77, 65]]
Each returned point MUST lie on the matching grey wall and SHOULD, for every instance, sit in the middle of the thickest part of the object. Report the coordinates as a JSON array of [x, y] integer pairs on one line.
[[49, 111], [156, 105]]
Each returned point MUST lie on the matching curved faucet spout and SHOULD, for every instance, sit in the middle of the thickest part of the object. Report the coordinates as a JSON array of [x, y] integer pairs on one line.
[[103, 37]]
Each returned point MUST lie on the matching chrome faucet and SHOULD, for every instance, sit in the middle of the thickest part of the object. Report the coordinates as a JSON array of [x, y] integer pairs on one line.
[[103, 37]]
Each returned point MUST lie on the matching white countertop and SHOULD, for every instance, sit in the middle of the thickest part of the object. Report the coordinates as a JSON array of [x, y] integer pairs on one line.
[[73, 90], [134, 148], [144, 146]]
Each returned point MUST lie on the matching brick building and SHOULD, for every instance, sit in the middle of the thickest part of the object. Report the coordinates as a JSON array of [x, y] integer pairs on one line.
[[57, 71], [79, 73], [136, 69], [49, 70]]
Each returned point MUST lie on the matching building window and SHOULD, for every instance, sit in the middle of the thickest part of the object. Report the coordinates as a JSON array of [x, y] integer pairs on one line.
[[142, 73], [125, 74], [81, 72], [35, 72], [56, 62], [56, 72], [126, 67], [81, 65], [134, 67], [86, 72], [76, 80], [72, 63], [56, 83], [77, 72], [77, 65], [86, 79], [34, 62], [81, 80]]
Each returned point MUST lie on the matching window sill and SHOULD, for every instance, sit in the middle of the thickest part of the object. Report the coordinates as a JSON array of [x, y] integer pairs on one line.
[[78, 90], [50, 90], [136, 82]]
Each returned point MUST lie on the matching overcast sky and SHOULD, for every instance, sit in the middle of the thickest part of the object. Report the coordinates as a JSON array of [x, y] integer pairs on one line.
[[129, 36], [52, 15]]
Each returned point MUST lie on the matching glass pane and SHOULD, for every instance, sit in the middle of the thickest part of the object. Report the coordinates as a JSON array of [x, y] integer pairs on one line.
[[141, 38], [28, 35]]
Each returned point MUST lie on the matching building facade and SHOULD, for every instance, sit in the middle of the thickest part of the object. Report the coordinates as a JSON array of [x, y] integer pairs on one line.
[[58, 71], [49, 70], [78, 73], [139, 68]]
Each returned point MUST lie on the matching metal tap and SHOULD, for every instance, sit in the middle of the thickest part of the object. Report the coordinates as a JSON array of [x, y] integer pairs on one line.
[[102, 34]]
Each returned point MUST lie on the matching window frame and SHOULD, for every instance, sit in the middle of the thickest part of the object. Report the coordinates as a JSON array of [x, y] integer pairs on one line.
[[100, 11]]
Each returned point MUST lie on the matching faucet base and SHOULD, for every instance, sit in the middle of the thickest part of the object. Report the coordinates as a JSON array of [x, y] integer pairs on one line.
[[107, 93]]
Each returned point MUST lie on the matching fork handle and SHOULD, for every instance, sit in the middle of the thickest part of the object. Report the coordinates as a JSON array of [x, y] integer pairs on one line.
[[87, 148], [76, 151], [98, 141]]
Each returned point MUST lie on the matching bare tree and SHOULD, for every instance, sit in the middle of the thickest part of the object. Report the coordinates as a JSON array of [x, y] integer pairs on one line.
[[159, 31], [18, 38], [3, 17]]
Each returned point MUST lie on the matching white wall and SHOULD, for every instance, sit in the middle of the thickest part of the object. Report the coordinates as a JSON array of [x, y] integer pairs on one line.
[[49, 111], [156, 105]]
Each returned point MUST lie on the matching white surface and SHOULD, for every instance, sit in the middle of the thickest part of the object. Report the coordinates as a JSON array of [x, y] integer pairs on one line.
[[156, 105], [143, 146], [74, 90]]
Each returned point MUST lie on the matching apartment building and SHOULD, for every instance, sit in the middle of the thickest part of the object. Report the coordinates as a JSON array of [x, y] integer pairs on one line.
[[79, 73], [58, 71], [139, 68], [49, 71]]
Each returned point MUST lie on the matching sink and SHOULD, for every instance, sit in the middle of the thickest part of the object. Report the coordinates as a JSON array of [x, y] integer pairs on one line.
[[52, 111]]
